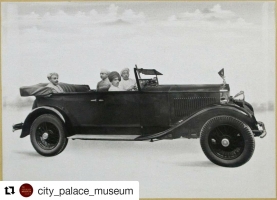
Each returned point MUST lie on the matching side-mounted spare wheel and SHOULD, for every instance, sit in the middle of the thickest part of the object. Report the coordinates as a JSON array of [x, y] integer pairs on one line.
[[227, 141], [48, 135]]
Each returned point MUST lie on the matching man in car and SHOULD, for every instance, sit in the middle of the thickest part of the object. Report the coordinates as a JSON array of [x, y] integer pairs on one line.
[[127, 84], [54, 83], [105, 84], [114, 78]]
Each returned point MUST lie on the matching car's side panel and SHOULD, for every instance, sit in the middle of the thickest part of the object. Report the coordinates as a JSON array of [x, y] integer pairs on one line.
[[119, 109], [58, 101], [193, 126], [52, 101], [190, 126], [154, 109], [99, 112], [183, 104], [83, 108]]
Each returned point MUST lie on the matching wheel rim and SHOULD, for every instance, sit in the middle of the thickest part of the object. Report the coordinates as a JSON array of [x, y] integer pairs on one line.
[[47, 135], [226, 142]]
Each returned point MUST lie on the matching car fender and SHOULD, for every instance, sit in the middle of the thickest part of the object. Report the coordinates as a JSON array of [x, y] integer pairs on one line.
[[190, 126], [40, 111]]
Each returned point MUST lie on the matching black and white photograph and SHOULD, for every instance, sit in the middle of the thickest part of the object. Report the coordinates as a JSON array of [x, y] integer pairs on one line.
[[179, 96]]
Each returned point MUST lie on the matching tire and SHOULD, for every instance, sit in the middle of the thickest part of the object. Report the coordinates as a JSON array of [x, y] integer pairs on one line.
[[227, 141], [48, 135]]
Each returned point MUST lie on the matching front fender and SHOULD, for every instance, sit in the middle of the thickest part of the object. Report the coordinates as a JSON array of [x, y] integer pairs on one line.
[[190, 126], [37, 112]]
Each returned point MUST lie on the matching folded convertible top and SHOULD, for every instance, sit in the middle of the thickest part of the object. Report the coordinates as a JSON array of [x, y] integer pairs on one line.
[[41, 89]]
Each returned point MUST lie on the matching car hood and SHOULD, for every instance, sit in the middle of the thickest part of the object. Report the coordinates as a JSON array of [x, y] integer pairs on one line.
[[186, 88]]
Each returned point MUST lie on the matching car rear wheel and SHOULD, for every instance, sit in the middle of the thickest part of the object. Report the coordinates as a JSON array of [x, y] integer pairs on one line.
[[227, 141], [48, 135]]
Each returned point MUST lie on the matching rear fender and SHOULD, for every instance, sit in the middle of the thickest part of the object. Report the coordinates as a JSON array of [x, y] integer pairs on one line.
[[40, 111]]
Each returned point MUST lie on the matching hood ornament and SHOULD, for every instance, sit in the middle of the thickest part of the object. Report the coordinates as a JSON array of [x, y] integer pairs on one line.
[[221, 74]]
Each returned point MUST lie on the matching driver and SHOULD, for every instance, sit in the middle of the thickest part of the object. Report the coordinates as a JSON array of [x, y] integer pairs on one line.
[[127, 84]]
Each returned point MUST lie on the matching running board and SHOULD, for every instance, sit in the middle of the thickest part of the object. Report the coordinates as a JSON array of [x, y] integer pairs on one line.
[[104, 137]]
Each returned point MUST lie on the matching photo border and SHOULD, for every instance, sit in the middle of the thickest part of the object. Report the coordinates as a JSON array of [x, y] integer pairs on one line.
[[1, 117]]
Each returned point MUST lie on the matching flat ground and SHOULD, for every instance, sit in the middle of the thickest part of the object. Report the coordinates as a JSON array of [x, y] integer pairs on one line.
[[169, 168]]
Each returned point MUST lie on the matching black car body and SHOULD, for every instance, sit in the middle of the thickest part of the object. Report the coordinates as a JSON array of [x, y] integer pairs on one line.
[[226, 126]]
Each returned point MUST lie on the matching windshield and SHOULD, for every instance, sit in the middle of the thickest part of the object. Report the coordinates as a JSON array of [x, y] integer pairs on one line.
[[148, 77]]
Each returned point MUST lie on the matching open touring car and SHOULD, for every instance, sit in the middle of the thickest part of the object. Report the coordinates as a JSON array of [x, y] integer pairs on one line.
[[225, 125]]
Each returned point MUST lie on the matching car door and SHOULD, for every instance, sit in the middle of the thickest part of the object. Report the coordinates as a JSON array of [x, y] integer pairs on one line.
[[82, 108], [154, 110], [119, 109]]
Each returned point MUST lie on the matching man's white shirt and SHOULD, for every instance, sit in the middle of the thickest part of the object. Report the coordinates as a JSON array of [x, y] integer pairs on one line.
[[126, 84], [55, 87]]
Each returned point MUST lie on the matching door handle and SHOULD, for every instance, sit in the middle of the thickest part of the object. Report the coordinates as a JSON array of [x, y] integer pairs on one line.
[[96, 100]]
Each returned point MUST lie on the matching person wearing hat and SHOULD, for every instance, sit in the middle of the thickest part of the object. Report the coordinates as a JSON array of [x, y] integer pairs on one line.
[[54, 83], [114, 78], [127, 84], [105, 84]]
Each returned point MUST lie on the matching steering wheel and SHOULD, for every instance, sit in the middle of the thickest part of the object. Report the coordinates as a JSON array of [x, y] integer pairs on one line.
[[152, 82]]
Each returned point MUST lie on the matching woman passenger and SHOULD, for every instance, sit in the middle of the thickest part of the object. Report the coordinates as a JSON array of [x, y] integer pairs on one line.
[[114, 78]]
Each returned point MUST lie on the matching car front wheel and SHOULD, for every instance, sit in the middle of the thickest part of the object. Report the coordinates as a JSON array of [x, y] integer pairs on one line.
[[227, 141], [48, 135]]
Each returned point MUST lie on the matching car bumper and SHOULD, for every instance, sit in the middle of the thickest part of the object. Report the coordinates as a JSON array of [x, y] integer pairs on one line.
[[261, 132], [17, 126]]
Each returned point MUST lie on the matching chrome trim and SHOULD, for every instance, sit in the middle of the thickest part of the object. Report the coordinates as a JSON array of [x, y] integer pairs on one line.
[[17, 126], [240, 93], [103, 137], [45, 136], [224, 101], [224, 96], [225, 142], [264, 130]]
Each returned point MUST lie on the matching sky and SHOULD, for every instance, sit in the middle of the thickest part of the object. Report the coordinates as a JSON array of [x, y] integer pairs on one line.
[[189, 42]]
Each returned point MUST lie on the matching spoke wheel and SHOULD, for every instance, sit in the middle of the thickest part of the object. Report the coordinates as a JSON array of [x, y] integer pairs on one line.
[[227, 141], [48, 135]]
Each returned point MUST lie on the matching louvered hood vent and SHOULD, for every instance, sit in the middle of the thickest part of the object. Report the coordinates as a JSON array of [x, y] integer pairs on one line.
[[188, 105]]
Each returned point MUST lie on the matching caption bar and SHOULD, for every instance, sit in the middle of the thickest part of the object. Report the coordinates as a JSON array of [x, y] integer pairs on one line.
[[94, 190]]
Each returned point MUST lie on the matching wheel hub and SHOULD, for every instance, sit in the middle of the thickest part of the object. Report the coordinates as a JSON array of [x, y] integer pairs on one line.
[[225, 142], [45, 136]]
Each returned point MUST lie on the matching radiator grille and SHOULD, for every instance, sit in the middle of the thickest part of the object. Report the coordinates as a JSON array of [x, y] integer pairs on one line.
[[188, 105]]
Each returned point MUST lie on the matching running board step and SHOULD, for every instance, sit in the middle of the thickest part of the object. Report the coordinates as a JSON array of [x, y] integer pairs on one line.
[[104, 137]]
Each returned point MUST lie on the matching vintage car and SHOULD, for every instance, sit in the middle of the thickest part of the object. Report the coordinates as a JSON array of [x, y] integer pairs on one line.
[[225, 125]]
